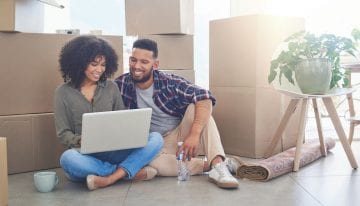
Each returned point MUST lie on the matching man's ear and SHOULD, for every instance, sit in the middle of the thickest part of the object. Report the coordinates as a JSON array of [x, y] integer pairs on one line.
[[156, 64]]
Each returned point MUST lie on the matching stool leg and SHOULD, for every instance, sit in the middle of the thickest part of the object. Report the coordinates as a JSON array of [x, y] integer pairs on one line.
[[319, 128], [284, 120], [339, 130], [351, 132], [352, 115], [300, 139]]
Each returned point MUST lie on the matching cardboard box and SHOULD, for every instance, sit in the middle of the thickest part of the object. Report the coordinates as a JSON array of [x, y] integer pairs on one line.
[[21, 16], [247, 119], [159, 17], [3, 172], [175, 51], [31, 72], [32, 142], [187, 74], [241, 48]]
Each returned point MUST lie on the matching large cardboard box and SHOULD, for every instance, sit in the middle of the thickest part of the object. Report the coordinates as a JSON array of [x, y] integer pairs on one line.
[[248, 109], [159, 17], [187, 74], [32, 142], [175, 51], [21, 16], [248, 117], [29, 64], [242, 47], [3, 173]]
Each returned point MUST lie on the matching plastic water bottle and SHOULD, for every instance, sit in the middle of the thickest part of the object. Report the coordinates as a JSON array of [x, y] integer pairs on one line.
[[183, 172]]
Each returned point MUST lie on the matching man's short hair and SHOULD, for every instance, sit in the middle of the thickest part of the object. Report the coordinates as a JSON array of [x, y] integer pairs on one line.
[[147, 44]]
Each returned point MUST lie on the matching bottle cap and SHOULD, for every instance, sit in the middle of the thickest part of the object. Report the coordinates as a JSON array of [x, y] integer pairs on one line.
[[180, 143]]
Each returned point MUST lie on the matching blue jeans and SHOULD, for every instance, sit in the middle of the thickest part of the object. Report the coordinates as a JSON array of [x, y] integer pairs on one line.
[[78, 166]]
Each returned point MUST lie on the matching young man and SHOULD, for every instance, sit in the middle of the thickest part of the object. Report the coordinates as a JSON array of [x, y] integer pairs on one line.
[[181, 112]]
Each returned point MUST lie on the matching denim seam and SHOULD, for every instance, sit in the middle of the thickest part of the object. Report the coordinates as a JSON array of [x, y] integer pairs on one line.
[[130, 176]]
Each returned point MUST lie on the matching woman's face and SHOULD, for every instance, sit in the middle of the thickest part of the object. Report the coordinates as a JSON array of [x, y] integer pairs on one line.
[[95, 69]]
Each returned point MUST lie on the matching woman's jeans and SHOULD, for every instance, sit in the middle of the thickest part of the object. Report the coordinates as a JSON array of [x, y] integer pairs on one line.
[[78, 166]]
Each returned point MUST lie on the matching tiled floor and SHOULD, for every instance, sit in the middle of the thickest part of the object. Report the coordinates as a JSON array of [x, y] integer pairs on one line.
[[328, 181]]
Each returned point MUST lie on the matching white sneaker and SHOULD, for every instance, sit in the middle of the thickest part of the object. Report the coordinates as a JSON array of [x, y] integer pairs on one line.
[[221, 176], [232, 164]]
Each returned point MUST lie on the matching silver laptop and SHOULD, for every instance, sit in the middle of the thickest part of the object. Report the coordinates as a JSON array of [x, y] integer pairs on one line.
[[115, 130]]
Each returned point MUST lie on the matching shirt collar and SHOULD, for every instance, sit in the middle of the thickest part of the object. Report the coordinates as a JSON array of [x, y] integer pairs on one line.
[[101, 84], [156, 83]]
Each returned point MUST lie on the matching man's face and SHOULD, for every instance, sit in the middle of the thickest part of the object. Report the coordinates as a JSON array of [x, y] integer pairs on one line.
[[141, 64]]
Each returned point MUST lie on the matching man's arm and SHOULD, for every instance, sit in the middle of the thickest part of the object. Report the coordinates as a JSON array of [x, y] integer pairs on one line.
[[203, 110]]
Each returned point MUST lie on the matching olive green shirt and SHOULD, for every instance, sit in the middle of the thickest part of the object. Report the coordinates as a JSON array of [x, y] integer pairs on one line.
[[71, 104]]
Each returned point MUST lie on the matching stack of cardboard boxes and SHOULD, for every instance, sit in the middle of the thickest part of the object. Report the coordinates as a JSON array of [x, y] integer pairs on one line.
[[30, 75], [171, 24], [248, 109]]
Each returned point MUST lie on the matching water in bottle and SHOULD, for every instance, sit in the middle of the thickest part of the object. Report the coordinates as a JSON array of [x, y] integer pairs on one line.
[[183, 172]]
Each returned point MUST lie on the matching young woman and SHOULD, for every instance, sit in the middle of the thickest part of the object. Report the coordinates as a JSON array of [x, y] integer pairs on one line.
[[85, 64]]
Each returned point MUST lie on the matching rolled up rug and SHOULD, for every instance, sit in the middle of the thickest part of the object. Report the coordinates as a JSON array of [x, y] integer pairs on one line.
[[282, 162]]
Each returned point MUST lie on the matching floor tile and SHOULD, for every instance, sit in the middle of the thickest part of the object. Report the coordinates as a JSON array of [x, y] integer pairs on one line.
[[333, 190], [198, 191]]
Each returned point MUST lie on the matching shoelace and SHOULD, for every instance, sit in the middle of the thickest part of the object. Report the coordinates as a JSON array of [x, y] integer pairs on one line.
[[230, 164], [223, 170]]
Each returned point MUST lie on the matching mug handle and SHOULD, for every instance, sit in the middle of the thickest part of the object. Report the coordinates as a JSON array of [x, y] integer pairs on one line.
[[56, 179]]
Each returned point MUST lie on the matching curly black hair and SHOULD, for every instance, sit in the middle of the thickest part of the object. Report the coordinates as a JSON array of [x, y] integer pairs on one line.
[[79, 52]]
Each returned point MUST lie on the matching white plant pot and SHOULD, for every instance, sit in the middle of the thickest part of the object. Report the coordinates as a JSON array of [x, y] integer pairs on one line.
[[313, 76]]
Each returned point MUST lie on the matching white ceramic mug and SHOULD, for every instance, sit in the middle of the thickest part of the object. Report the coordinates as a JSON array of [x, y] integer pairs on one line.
[[45, 181]]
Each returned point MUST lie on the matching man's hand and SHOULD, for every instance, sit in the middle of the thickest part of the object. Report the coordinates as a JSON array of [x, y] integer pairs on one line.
[[202, 112], [190, 147]]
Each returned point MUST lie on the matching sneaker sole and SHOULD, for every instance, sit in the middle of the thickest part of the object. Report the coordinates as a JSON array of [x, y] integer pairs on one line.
[[228, 185]]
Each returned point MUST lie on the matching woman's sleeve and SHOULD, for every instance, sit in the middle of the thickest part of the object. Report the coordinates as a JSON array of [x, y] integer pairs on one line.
[[62, 122]]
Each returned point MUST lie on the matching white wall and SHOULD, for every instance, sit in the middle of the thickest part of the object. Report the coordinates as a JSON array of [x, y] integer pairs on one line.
[[333, 16], [105, 15], [205, 11], [56, 18], [86, 15]]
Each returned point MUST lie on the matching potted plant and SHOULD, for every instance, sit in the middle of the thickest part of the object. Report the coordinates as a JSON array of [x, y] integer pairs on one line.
[[313, 60]]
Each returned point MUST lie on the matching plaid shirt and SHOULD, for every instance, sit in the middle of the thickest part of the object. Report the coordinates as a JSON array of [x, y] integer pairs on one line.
[[172, 94]]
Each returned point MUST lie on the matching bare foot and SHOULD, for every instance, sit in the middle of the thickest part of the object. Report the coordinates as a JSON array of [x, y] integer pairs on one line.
[[141, 175], [146, 173], [216, 160], [102, 181], [206, 167], [93, 182]]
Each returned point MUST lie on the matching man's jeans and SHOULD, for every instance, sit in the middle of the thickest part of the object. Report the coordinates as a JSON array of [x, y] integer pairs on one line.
[[77, 166]]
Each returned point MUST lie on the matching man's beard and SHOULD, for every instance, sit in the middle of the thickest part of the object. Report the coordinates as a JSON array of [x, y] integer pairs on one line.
[[145, 78]]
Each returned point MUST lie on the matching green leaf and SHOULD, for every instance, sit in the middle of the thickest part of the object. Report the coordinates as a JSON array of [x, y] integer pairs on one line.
[[271, 76], [346, 82], [295, 36], [289, 75], [355, 33], [292, 46]]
